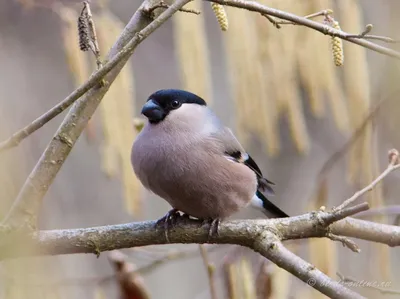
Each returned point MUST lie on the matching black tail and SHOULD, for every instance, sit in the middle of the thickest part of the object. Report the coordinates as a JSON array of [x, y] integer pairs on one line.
[[269, 209]]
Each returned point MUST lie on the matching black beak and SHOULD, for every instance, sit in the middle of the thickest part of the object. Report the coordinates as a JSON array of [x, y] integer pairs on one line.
[[153, 111]]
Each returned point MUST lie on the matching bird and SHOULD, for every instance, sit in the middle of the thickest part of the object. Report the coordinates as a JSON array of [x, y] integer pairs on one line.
[[187, 156]]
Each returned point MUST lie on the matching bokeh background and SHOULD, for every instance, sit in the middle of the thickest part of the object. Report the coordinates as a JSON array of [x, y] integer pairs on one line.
[[279, 90]]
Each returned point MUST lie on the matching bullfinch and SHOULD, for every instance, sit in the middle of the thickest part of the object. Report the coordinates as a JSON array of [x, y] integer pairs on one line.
[[185, 155]]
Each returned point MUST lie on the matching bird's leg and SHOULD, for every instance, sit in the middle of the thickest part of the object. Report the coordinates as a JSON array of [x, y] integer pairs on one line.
[[169, 220], [213, 230]]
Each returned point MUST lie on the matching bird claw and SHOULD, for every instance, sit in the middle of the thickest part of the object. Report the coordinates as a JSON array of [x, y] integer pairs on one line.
[[213, 230], [169, 220]]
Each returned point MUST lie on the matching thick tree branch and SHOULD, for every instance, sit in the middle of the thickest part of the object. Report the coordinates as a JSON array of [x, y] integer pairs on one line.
[[263, 236], [325, 29], [30, 197]]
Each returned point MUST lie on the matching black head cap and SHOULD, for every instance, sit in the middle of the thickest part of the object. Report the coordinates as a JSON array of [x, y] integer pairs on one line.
[[160, 103]]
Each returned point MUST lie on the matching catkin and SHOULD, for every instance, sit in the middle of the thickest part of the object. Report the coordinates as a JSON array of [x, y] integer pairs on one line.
[[337, 46], [76, 61], [220, 13]]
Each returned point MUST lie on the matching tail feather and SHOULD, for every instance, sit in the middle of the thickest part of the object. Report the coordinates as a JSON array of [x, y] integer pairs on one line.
[[268, 208]]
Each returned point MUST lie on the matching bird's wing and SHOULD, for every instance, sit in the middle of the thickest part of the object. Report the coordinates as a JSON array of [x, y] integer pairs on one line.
[[234, 151]]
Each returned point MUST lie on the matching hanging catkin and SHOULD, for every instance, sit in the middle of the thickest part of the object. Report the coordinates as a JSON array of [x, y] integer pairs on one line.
[[117, 111], [337, 46], [192, 52], [220, 14], [77, 61], [362, 164]]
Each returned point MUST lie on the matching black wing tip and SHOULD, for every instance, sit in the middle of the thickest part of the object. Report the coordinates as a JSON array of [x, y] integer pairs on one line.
[[269, 207]]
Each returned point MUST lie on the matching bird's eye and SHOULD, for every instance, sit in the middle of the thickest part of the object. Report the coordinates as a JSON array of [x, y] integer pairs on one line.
[[175, 104]]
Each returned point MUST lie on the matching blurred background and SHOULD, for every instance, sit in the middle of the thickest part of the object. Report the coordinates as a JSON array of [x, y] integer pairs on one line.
[[279, 90]]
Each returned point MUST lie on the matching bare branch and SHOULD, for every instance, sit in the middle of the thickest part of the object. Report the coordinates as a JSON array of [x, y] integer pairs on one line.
[[367, 230], [368, 29], [325, 29], [340, 214], [387, 210], [393, 165], [162, 4], [345, 241], [278, 24], [261, 235]]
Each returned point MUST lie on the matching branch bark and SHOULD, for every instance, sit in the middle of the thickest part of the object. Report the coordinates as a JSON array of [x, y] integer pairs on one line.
[[263, 236], [30, 197]]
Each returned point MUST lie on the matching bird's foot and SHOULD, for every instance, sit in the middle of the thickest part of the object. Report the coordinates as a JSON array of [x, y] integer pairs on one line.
[[168, 221], [213, 230]]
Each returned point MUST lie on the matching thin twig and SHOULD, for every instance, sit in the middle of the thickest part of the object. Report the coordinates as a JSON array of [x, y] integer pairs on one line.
[[368, 29], [311, 16], [327, 12], [210, 270], [345, 241], [393, 165], [162, 4], [387, 210], [340, 214]]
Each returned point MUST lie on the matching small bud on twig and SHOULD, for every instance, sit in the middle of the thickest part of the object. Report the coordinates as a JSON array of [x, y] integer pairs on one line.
[[393, 157]]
